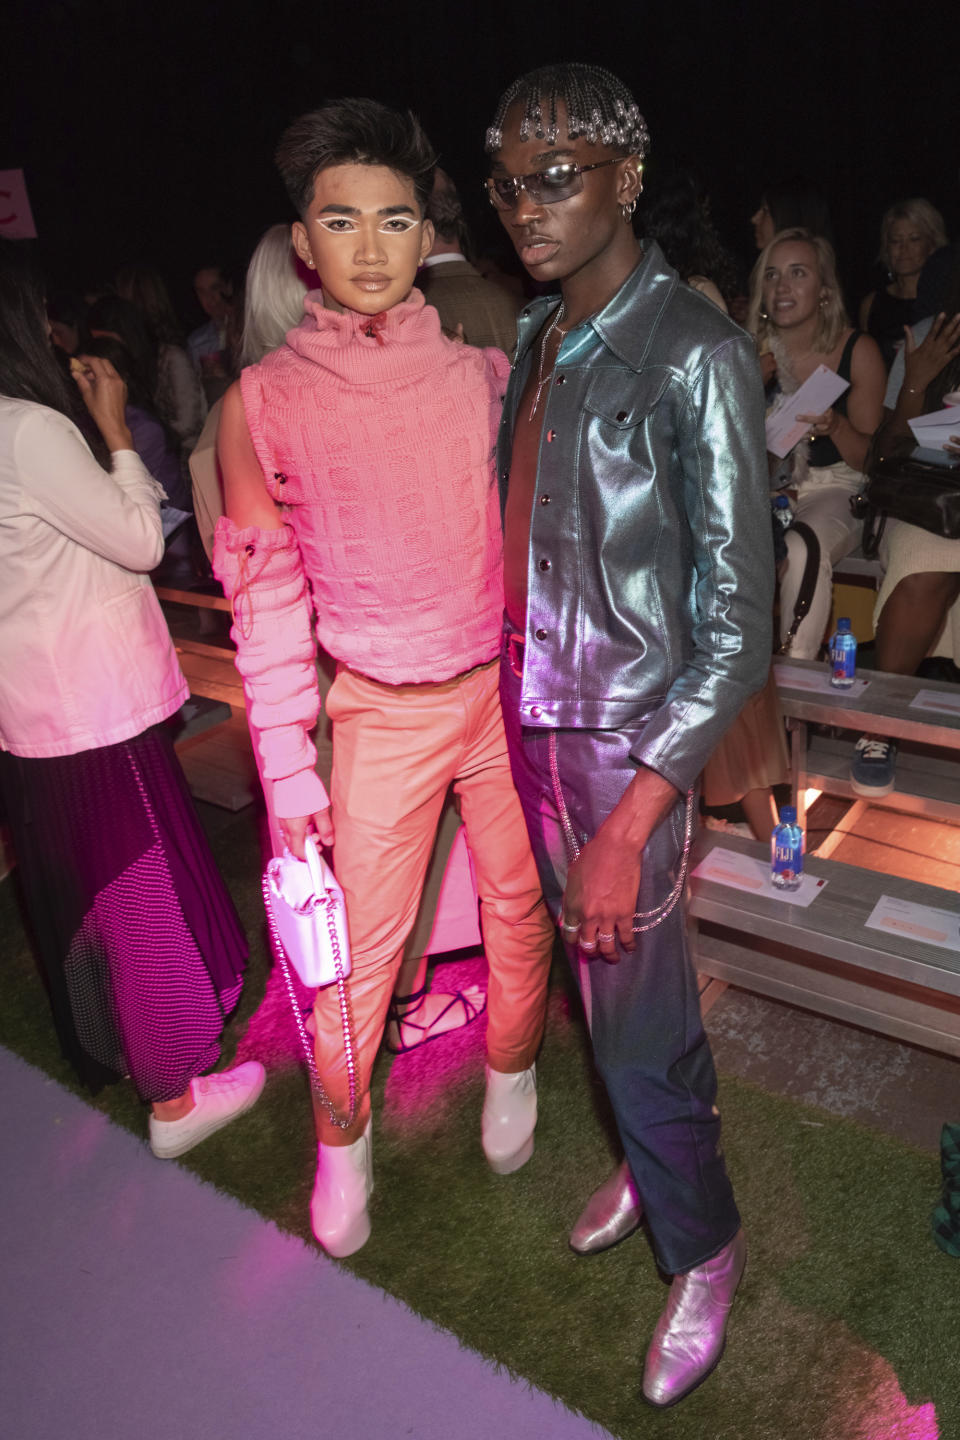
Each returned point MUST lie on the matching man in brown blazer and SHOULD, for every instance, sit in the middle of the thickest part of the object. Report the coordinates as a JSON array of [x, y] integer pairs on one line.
[[459, 292]]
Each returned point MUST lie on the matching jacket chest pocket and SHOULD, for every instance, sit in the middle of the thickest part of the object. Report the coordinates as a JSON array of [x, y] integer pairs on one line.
[[621, 426], [619, 400]]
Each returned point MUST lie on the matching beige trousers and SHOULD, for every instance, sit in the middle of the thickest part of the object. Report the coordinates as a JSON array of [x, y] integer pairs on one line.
[[397, 751]]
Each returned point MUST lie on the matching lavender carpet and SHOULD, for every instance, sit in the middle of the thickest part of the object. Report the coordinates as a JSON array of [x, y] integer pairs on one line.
[[140, 1304]]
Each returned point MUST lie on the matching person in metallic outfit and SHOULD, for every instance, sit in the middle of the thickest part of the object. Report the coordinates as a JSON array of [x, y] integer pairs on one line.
[[638, 579]]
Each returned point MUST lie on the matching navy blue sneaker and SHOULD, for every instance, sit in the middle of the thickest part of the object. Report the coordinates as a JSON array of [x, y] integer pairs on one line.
[[874, 769]]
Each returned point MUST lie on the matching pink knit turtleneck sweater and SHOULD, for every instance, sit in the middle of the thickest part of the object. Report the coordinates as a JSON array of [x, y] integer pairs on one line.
[[381, 445]]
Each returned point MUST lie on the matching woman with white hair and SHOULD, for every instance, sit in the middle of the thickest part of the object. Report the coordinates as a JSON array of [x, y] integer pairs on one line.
[[273, 304], [910, 232], [797, 315]]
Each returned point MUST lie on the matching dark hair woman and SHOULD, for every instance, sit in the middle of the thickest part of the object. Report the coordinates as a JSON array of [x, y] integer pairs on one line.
[[139, 944], [791, 204], [678, 217], [917, 609], [162, 363]]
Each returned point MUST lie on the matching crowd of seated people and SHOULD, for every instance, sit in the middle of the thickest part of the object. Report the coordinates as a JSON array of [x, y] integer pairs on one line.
[[794, 307]]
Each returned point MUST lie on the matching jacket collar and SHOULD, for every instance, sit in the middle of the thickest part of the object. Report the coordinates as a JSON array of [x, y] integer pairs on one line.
[[626, 324]]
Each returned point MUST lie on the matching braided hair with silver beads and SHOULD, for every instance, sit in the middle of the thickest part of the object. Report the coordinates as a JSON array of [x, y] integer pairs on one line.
[[598, 106]]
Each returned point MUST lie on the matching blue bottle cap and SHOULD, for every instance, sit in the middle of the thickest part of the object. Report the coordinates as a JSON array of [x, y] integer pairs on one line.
[[788, 815], [782, 501], [843, 622]]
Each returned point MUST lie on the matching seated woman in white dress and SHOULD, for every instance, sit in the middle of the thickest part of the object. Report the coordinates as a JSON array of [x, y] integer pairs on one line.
[[797, 315]]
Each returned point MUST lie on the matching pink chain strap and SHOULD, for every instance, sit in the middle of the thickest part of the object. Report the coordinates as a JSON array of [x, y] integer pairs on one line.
[[348, 1050]]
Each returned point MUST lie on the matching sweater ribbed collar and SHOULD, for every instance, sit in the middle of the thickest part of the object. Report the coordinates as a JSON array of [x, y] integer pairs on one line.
[[401, 342]]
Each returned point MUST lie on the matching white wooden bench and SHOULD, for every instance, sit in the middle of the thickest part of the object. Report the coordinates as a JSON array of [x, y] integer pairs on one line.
[[926, 783], [218, 761], [822, 957]]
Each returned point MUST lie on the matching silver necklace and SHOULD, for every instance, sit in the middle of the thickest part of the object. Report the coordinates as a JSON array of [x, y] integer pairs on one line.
[[543, 380]]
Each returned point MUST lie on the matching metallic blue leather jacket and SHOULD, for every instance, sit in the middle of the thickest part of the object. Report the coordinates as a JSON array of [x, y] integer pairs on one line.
[[650, 579]]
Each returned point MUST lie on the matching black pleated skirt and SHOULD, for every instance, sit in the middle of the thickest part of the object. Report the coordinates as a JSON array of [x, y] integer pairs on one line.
[[140, 944]]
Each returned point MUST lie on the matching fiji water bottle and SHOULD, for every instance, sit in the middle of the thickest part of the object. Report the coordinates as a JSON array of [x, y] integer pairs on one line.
[[782, 511], [843, 656], [786, 851]]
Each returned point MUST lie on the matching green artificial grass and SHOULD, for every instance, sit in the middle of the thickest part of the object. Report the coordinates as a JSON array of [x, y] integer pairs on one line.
[[847, 1326]]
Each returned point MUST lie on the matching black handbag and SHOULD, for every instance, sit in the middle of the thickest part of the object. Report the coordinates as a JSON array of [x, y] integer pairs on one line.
[[921, 492]]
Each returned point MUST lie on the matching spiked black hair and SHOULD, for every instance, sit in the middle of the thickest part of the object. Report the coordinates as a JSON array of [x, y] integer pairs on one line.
[[598, 105], [354, 132]]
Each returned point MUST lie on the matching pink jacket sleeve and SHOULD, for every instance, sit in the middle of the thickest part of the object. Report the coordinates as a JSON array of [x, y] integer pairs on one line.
[[262, 575]]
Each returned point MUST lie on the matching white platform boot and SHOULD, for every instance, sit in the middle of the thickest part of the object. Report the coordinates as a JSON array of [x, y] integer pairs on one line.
[[338, 1207], [509, 1119]]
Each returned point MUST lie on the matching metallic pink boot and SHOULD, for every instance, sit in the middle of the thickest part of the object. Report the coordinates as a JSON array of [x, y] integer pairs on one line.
[[689, 1338], [611, 1214]]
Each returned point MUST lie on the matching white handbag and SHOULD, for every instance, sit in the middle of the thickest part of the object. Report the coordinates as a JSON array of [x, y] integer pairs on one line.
[[307, 906], [307, 918]]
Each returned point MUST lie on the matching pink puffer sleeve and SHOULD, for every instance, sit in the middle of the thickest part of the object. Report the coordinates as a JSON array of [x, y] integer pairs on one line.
[[262, 575]]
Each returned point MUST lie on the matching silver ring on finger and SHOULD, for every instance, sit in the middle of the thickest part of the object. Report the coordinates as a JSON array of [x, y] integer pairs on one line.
[[570, 929], [588, 944], [606, 938]]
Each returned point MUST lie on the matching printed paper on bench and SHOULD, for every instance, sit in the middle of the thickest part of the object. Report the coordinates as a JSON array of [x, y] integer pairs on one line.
[[919, 922], [743, 872], [793, 678], [934, 700]]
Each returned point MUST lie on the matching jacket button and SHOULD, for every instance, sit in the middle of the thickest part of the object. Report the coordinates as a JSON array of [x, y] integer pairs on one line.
[[525, 314], [541, 634], [250, 549], [535, 711], [561, 379], [621, 414], [544, 564], [544, 499]]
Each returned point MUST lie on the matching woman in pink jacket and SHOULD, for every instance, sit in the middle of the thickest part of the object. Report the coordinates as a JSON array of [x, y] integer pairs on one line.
[[140, 946]]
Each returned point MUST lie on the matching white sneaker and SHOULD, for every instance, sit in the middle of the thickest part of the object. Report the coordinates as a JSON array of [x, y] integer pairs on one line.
[[339, 1216], [217, 1099], [509, 1119]]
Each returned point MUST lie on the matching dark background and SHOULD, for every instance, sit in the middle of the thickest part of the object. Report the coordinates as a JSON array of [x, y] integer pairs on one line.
[[146, 130]]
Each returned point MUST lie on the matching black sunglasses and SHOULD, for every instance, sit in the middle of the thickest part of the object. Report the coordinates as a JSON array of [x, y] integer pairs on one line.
[[545, 187]]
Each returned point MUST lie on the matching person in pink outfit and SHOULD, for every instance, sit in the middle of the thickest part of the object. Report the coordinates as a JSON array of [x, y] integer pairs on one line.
[[360, 494]]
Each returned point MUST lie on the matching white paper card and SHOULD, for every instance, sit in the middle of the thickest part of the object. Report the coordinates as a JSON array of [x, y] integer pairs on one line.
[[934, 430], [919, 922], [933, 700], [793, 678], [743, 872], [815, 395]]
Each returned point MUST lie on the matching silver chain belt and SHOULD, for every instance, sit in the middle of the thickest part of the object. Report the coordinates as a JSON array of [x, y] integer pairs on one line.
[[659, 912]]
